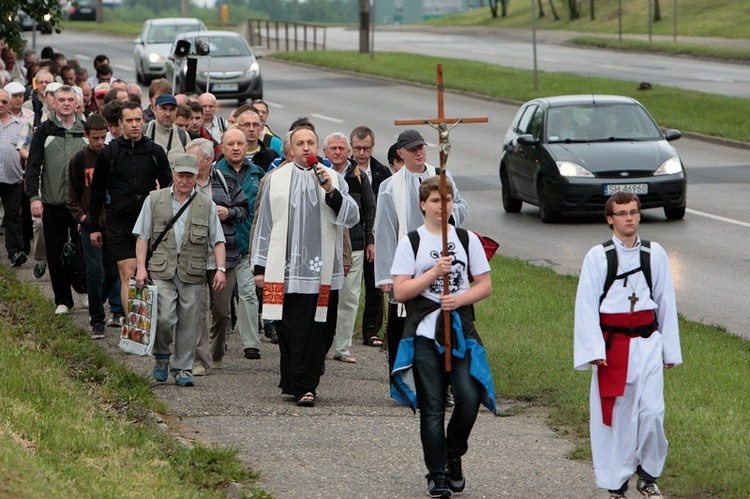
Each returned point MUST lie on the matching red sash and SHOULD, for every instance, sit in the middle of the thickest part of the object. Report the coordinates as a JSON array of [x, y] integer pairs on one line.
[[612, 377]]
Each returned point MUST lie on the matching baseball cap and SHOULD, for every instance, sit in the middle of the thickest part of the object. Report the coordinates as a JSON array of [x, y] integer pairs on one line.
[[408, 139], [185, 163], [14, 88], [52, 87], [166, 100], [101, 88]]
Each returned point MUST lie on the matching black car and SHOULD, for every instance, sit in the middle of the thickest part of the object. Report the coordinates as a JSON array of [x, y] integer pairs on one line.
[[570, 153], [81, 10]]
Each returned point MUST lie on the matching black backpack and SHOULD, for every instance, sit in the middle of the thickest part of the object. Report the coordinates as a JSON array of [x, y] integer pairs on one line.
[[611, 252], [73, 265]]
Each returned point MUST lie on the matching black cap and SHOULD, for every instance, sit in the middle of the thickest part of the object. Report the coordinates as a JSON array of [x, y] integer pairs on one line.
[[408, 139]]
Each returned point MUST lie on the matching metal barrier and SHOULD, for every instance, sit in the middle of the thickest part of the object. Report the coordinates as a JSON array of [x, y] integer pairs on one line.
[[285, 35]]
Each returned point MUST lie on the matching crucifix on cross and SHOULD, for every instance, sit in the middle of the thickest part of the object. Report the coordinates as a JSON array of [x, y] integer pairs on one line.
[[443, 125]]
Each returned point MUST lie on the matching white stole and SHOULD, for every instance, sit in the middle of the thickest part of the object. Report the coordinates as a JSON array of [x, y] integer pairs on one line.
[[273, 288]]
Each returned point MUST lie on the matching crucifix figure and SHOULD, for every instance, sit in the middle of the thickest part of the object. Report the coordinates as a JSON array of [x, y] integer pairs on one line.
[[443, 125], [633, 298]]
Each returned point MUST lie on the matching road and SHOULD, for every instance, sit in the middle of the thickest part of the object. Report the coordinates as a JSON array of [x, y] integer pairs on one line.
[[707, 248]]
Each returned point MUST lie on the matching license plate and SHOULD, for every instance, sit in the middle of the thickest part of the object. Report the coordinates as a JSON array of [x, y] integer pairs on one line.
[[86, 10], [610, 189], [224, 87]]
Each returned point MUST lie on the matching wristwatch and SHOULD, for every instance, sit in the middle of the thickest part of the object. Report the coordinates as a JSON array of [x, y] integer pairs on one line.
[[221, 269]]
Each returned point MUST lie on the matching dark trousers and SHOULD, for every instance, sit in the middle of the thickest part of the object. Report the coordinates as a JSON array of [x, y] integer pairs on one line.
[[102, 279], [372, 316], [303, 343], [27, 225], [394, 330], [11, 194], [431, 381], [59, 228]]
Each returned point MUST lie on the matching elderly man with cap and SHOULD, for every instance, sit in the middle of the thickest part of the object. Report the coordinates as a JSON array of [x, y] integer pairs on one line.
[[186, 223], [161, 130], [398, 214], [16, 91]]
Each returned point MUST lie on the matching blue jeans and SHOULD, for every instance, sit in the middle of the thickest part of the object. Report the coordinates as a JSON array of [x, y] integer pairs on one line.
[[431, 382], [102, 280]]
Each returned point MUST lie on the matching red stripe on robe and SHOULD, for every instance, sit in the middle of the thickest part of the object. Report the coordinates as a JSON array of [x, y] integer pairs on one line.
[[613, 376]]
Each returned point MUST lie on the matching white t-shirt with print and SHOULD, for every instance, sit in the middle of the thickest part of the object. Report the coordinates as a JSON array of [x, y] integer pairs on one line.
[[430, 247]]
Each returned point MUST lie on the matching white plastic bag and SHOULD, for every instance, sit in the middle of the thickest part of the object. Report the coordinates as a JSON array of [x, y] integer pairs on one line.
[[139, 332]]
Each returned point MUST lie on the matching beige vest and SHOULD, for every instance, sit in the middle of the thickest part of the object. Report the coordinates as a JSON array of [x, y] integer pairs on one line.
[[191, 263]]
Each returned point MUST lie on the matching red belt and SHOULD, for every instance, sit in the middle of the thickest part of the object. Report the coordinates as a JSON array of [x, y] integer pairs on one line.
[[618, 329]]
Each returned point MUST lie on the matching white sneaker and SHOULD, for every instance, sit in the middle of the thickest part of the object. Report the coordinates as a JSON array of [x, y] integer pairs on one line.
[[61, 310], [199, 370]]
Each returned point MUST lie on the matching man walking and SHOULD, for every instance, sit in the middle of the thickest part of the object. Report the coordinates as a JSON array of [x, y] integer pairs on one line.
[[11, 182], [297, 260], [362, 141], [626, 327], [336, 149], [171, 138], [178, 264], [54, 143], [399, 213], [257, 152], [247, 175]]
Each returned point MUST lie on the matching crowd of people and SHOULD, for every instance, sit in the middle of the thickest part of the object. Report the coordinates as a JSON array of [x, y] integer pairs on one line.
[[276, 233]]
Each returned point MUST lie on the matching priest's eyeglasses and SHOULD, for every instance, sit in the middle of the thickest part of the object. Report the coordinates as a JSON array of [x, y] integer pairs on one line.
[[624, 213]]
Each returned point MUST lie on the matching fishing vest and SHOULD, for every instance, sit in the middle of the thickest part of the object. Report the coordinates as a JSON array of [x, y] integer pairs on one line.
[[190, 264]]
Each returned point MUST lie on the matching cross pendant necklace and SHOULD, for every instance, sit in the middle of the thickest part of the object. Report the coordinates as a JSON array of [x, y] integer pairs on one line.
[[633, 298]]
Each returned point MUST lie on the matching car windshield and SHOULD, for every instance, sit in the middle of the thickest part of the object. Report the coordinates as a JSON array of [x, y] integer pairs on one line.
[[599, 123], [228, 46], [166, 33]]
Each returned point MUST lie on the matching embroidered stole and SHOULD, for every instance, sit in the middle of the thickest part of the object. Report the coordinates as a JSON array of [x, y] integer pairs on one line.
[[273, 288]]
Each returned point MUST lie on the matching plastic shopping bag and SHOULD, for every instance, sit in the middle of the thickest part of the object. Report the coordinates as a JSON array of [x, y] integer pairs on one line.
[[139, 332]]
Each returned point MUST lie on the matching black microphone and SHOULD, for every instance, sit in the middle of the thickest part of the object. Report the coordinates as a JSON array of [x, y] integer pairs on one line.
[[312, 162]]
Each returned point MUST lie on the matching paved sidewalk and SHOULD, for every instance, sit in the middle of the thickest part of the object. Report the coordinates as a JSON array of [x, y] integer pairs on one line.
[[356, 442]]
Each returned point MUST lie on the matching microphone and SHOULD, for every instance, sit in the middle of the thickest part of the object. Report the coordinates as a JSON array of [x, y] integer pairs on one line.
[[312, 162]]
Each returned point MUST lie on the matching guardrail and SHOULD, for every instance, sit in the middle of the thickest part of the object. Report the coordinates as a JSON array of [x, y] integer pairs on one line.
[[285, 35]]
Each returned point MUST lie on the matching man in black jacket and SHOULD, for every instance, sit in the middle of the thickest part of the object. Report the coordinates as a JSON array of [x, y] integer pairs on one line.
[[126, 170], [362, 140], [336, 149]]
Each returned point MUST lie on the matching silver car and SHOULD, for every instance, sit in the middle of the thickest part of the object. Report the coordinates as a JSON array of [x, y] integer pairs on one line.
[[152, 47], [230, 71]]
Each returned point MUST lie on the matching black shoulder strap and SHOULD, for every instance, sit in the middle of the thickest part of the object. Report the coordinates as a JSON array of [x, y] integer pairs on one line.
[[183, 136], [267, 140], [172, 222], [114, 153], [80, 166], [611, 252], [463, 236], [414, 240]]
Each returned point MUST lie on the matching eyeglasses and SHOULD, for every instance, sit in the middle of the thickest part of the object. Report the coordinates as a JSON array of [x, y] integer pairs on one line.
[[362, 148], [632, 213]]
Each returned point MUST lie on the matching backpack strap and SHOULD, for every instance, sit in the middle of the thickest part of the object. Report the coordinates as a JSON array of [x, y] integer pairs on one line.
[[414, 240], [114, 154], [463, 237], [183, 136], [611, 252], [222, 181]]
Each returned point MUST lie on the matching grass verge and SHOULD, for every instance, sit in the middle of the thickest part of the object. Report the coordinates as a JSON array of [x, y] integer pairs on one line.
[[76, 423], [527, 328], [686, 110]]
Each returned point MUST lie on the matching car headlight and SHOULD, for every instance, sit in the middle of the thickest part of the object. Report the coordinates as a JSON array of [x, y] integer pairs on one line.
[[254, 71], [154, 57], [669, 167], [47, 17], [568, 169]]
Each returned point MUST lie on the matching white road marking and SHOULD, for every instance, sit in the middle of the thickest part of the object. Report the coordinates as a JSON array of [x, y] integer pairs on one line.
[[82, 57], [717, 217], [327, 118], [120, 66]]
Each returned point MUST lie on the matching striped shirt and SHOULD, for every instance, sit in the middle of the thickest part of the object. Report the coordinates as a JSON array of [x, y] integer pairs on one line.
[[10, 160]]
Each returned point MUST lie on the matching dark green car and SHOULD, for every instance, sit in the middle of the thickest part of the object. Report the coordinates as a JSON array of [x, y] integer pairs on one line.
[[570, 153]]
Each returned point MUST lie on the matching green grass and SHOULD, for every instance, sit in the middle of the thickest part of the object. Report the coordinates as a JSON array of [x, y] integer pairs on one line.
[[76, 423], [527, 328], [685, 110], [715, 18]]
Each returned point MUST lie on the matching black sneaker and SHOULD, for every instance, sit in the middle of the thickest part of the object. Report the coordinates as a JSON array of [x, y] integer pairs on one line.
[[39, 270], [18, 259], [437, 486], [456, 480], [117, 320], [252, 353], [97, 331]]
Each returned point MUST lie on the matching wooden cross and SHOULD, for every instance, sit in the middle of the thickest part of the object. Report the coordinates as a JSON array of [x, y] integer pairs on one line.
[[633, 298], [443, 125]]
